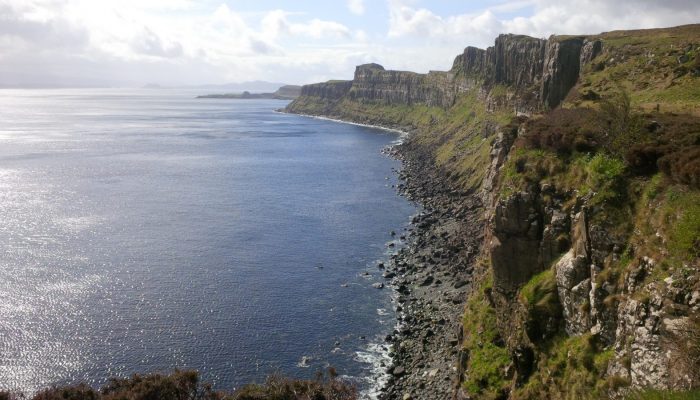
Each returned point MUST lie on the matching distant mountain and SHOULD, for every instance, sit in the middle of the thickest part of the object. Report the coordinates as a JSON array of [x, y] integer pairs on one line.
[[286, 92]]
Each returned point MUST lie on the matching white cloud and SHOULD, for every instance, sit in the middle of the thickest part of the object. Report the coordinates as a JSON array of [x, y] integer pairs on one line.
[[419, 23], [594, 16], [130, 40], [275, 23], [356, 6], [317, 28], [548, 17], [150, 44], [404, 20], [195, 41]]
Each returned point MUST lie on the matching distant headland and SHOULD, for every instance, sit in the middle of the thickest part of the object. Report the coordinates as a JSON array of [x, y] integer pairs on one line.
[[286, 92]]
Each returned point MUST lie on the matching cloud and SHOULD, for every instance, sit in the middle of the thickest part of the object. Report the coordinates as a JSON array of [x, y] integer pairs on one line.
[[356, 7], [569, 17], [34, 29], [130, 42], [260, 47], [548, 17], [420, 23], [408, 21], [276, 23], [79, 42], [317, 28], [150, 44]]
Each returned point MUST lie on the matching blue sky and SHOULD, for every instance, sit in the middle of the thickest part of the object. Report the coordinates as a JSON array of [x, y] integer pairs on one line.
[[180, 42]]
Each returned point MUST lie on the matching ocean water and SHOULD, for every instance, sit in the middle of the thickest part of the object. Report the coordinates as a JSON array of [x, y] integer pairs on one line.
[[145, 230]]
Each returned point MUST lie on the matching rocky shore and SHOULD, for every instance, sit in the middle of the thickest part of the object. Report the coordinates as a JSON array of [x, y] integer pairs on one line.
[[586, 284], [431, 276]]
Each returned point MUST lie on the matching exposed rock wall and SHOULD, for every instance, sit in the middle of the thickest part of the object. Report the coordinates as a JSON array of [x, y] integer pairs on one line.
[[517, 60], [331, 90], [573, 273], [538, 72], [562, 64], [542, 228], [637, 321], [375, 84], [472, 62], [514, 60], [515, 238], [590, 50]]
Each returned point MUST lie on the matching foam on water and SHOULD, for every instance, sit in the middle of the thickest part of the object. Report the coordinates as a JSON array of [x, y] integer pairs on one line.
[[402, 134], [377, 358]]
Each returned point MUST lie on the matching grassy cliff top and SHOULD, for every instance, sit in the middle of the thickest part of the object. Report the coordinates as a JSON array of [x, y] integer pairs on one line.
[[660, 68]]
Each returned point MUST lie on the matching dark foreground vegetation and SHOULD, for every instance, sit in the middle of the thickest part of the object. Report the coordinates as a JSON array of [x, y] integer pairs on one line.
[[187, 385]]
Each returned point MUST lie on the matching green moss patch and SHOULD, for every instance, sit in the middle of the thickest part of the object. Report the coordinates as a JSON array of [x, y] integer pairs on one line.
[[544, 311], [664, 395], [569, 368], [488, 356]]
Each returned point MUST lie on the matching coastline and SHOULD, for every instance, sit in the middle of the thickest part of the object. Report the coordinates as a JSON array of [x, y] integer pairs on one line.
[[429, 275], [387, 358], [402, 133]]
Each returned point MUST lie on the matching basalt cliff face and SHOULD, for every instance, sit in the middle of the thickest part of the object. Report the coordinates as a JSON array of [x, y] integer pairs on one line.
[[539, 72], [573, 165]]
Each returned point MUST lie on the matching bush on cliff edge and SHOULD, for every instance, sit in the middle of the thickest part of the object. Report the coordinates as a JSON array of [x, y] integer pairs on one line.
[[186, 385]]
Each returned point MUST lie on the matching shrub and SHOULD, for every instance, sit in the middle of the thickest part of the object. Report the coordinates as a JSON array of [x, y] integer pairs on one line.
[[672, 145], [684, 342], [186, 385], [605, 177], [4, 395], [279, 388], [79, 392], [180, 385], [682, 166], [642, 158], [647, 143], [621, 125], [564, 131]]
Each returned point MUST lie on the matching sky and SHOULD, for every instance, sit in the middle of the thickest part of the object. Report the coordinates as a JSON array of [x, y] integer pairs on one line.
[[76, 43]]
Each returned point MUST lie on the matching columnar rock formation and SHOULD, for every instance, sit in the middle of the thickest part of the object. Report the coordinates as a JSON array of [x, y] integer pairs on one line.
[[373, 83], [540, 72], [331, 90], [564, 272]]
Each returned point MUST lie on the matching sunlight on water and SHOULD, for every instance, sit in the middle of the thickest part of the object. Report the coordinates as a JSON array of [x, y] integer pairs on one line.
[[147, 230]]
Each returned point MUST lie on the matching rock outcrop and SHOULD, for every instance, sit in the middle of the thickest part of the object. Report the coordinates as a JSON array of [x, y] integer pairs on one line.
[[328, 91], [375, 84], [515, 239], [573, 273], [539, 72], [562, 64], [560, 269], [518, 60]]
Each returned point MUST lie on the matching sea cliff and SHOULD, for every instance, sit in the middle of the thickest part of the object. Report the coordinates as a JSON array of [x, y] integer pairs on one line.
[[558, 256]]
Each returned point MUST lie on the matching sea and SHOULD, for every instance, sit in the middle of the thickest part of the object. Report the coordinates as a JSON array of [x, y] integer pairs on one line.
[[143, 230]]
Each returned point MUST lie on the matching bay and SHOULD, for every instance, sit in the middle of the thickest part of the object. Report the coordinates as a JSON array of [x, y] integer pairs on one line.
[[144, 230]]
